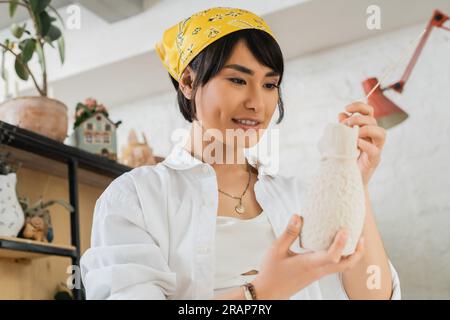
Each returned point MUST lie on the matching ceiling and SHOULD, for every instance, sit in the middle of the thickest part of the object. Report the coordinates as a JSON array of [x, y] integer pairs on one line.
[[322, 24], [109, 10]]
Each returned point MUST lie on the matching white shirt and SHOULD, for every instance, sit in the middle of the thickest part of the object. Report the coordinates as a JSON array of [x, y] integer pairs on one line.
[[154, 228], [240, 247]]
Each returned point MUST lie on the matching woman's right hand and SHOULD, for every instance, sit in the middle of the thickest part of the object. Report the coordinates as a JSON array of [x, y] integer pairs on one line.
[[283, 272]]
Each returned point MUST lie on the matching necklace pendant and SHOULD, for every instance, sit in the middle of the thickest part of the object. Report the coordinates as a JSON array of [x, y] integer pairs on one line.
[[239, 209]]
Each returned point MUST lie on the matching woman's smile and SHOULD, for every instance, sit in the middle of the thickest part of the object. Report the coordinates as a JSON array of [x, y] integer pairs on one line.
[[247, 123]]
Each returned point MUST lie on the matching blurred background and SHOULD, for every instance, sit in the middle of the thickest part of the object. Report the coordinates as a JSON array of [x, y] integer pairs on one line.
[[329, 49]]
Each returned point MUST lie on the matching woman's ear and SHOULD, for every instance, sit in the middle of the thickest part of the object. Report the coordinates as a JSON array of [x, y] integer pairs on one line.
[[186, 82]]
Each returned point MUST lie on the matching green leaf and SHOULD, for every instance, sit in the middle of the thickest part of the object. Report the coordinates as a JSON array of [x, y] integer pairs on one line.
[[40, 53], [86, 114], [48, 40], [62, 49], [79, 106], [58, 15], [45, 23], [85, 108], [21, 70], [54, 33], [28, 47], [13, 7], [39, 6], [22, 44], [17, 30], [38, 22]]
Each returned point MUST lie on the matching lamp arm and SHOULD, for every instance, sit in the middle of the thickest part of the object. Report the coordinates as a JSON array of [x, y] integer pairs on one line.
[[437, 20]]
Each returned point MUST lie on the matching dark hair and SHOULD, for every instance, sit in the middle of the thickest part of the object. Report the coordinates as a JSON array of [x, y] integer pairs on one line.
[[212, 59]]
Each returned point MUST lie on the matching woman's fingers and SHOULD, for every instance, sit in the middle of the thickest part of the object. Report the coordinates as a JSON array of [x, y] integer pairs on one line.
[[361, 121], [349, 261], [325, 262], [320, 262], [372, 151], [360, 107], [291, 253], [334, 252], [343, 116], [290, 234], [346, 263], [375, 133]]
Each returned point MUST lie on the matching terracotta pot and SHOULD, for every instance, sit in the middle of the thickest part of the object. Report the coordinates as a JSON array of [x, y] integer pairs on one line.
[[42, 115]]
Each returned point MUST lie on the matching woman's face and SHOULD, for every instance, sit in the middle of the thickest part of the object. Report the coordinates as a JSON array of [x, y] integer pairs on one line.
[[243, 90]]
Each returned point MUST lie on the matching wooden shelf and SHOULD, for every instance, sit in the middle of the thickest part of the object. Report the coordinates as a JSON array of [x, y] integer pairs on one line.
[[18, 248], [55, 168], [37, 144], [39, 153]]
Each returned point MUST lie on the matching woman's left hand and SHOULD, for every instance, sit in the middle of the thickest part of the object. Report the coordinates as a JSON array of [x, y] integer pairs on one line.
[[371, 137]]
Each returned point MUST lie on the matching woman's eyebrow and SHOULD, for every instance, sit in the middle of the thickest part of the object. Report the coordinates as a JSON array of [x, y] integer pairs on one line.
[[246, 70]]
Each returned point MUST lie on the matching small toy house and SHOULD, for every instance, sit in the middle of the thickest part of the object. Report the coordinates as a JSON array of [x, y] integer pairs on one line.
[[97, 134]]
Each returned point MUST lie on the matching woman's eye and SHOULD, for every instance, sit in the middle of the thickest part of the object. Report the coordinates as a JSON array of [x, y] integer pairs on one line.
[[240, 81], [272, 86], [237, 80]]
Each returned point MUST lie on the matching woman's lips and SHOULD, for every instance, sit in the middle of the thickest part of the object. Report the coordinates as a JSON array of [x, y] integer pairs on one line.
[[247, 126]]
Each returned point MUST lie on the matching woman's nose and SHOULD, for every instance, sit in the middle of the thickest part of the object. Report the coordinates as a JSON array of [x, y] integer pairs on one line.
[[256, 100]]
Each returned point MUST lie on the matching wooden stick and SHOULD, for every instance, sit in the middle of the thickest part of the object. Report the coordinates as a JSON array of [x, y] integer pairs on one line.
[[394, 66]]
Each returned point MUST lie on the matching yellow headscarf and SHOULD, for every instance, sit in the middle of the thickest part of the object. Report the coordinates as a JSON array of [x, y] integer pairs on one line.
[[185, 40]]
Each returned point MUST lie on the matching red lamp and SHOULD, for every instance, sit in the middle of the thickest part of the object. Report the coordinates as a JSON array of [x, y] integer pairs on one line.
[[387, 113]]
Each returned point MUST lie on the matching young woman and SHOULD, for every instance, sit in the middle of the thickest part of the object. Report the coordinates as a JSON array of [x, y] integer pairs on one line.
[[193, 227]]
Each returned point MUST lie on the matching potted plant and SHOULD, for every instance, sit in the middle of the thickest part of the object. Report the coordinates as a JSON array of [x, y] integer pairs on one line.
[[40, 114], [11, 215]]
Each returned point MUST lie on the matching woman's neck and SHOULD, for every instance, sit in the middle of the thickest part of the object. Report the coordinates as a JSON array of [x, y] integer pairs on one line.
[[223, 158]]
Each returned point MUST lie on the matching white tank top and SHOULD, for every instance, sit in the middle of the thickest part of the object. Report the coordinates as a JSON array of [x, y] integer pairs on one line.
[[241, 245]]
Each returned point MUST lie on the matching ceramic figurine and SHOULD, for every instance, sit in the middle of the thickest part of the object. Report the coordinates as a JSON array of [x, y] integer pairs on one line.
[[137, 154], [11, 214], [335, 198], [94, 131]]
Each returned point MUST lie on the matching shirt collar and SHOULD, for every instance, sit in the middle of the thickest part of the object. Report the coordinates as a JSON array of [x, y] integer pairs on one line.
[[180, 159]]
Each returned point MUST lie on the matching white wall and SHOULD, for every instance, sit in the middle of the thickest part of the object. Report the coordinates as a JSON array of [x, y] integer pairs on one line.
[[410, 190]]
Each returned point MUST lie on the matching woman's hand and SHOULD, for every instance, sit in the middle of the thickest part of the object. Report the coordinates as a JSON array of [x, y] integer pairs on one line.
[[283, 272], [371, 137]]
